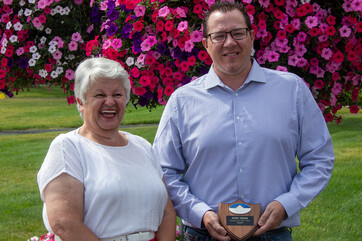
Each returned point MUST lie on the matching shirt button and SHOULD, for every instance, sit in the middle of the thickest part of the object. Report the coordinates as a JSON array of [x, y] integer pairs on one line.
[[242, 196], [236, 94], [238, 117], [239, 143], [241, 170]]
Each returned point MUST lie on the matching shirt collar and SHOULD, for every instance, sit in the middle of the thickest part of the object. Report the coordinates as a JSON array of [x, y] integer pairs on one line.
[[256, 74]]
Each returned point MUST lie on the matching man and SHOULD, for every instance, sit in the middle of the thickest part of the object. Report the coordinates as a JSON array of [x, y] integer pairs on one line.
[[235, 132]]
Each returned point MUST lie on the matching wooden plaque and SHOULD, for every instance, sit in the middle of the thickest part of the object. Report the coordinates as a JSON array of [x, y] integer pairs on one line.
[[240, 219]]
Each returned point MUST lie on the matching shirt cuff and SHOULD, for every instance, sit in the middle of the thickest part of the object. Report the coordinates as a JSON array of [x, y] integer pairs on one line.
[[198, 213], [290, 203]]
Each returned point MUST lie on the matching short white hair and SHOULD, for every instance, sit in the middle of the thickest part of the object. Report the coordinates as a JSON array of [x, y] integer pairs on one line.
[[93, 69]]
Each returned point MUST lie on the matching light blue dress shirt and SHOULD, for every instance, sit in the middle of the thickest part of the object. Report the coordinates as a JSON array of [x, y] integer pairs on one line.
[[219, 145]]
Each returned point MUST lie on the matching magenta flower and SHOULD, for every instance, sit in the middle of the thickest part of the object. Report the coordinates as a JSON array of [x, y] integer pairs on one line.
[[327, 53], [272, 56], [73, 46], [189, 45], [311, 21], [196, 36], [345, 31]]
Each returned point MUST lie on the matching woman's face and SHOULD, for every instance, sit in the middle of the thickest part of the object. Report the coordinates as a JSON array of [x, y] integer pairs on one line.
[[105, 106]]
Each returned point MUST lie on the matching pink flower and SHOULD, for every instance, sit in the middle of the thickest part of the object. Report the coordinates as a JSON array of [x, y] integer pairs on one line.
[[282, 68], [8, 2], [76, 37], [164, 11], [189, 45], [300, 49], [311, 21], [264, 3], [301, 36], [36, 22], [72, 46], [337, 88], [57, 55], [272, 56], [196, 36], [293, 60], [140, 10], [145, 46], [78, 2], [182, 26], [327, 53], [356, 5], [181, 12], [116, 43], [345, 31], [69, 74]]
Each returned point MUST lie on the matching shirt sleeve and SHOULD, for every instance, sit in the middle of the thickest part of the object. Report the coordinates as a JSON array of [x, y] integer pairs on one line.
[[168, 149], [62, 157], [314, 152]]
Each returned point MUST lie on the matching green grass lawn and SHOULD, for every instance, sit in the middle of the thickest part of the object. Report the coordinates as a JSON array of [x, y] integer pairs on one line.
[[334, 215]]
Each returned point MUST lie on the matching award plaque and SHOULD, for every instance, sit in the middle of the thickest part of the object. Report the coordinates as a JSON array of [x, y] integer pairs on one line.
[[240, 219]]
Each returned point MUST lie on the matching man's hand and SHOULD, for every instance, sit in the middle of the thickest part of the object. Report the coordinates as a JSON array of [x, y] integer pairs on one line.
[[272, 217], [212, 224]]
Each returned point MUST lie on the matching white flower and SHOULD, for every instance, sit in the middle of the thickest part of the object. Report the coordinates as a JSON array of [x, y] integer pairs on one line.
[[71, 56], [31, 62], [59, 70], [48, 31], [62, 12], [43, 39], [18, 26], [3, 50], [43, 73], [20, 13], [66, 10], [13, 38], [33, 49], [22, 3], [27, 12], [31, 1], [54, 74], [9, 25], [36, 56], [5, 42], [130, 61], [33, 238], [52, 49], [53, 12], [51, 43], [58, 9]]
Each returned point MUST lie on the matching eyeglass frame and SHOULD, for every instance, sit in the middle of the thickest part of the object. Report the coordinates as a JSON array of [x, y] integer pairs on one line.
[[226, 34]]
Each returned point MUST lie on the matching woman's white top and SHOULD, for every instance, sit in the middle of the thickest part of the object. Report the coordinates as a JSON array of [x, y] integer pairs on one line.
[[123, 188]]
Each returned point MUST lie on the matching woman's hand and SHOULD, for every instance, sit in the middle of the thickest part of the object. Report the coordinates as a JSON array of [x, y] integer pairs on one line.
[[64, 204]]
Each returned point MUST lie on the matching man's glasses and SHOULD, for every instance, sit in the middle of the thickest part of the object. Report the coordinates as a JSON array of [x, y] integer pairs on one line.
[[236, 34]]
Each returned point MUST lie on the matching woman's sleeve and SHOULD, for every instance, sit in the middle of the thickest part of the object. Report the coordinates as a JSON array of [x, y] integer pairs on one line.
[[62, 157]]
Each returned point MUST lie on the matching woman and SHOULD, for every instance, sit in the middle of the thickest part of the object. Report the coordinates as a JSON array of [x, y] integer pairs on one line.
[[99, 183]]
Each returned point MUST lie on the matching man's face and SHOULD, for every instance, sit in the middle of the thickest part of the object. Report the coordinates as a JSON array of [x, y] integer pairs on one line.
[[231, 58]]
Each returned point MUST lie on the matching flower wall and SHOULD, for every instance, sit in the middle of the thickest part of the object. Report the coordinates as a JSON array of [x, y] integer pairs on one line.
[[159, 43]]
